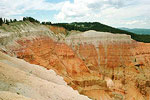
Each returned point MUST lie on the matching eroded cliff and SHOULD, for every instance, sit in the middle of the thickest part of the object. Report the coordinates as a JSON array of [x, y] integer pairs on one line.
[[58, 30], [103, 66], [20, 80]]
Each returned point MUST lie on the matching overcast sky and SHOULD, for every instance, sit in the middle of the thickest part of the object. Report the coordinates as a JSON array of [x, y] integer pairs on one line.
[[116, 13]]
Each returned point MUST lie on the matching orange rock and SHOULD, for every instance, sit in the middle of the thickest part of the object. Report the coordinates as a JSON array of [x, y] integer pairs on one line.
[[58, 30], [85, 66]]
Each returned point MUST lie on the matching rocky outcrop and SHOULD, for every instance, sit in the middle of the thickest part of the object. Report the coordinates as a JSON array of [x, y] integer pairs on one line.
[[20, 80], [103, 66], [58, 30]]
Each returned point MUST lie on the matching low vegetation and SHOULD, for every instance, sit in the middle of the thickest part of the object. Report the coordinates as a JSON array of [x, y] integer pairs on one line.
[[83, 26], [6, 21]]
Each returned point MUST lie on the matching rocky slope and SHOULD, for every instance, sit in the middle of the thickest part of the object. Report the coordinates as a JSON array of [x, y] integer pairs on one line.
[[20, 80], [102, 66], [58, 30]]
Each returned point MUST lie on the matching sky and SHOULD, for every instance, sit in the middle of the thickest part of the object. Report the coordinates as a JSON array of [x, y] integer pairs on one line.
[[116, 13]]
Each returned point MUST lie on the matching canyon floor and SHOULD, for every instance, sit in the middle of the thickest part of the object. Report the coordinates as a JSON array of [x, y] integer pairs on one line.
[[40, 62]]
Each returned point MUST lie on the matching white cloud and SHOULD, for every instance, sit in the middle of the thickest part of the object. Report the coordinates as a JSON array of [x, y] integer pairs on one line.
[[70, 10], [118, 13], [134, 22], [14, 7], [112, 12], [83, 7]]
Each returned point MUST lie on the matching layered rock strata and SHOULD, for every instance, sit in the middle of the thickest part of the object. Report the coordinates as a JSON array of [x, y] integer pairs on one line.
[[58, 30], [20, 80], [103, 66]]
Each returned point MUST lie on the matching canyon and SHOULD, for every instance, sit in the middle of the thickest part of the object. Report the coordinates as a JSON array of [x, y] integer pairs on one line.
[[99, 65]]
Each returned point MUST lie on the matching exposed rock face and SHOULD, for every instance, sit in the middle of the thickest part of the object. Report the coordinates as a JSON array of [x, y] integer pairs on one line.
[[58, 30], [20, 80], [103, 66], [9, 96]]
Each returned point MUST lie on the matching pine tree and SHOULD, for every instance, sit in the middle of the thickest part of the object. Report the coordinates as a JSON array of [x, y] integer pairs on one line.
[[43, 23], [11, 21], [1, 21], [4, 21], [14, 20], [7, 22], [24, 19]]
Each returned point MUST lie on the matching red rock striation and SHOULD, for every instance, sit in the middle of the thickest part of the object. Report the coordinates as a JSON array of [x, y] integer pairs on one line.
[[58, 30], [86, 62]]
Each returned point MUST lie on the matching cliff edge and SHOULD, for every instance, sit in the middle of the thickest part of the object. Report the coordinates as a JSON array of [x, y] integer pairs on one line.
[[100, 65]]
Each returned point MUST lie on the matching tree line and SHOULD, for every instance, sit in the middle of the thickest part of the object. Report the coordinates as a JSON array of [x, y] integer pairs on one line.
[[83, 26], [30, 19], [6, 21]]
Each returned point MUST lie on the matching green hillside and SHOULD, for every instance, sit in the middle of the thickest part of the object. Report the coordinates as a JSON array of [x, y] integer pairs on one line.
[[85, 26], [80, 26]]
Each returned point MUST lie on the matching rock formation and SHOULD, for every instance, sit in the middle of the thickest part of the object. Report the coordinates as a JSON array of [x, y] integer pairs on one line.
[[100, 65], [58, 30], [20, 80]]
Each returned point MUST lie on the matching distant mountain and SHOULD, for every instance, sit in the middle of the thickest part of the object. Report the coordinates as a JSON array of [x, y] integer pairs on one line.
[[137, 30]]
